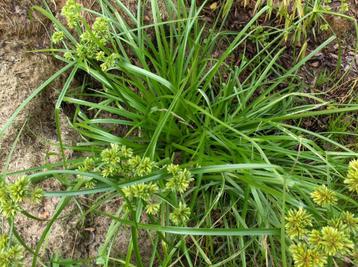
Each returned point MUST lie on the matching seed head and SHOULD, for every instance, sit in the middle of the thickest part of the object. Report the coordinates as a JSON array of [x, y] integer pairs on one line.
[[180, 215], [37, 195], [72, 12], [109, 62], [297, 222], [142, 191], [19, 189], [323, 196], [152, 208], [145, 167], [350, 221], [304, 256], [68, 55], [352, 176], [173, 169], [180, 181], [57, 37], [335, 242], [111, 156]]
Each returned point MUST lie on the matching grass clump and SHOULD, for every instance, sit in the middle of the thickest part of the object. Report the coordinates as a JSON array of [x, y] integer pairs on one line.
[[215, 159]]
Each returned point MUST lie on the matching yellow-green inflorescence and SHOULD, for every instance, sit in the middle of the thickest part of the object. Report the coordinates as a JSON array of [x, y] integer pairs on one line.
[[141, 191], [94, 40], [334, 241], [297, 223], [352, 176], [304, 256], [323, 196], [10, 255], [313, 245], [180, 180], [350, 221], [180, 214], [12, 195], [72, 12], [119, 161], [57, 37]]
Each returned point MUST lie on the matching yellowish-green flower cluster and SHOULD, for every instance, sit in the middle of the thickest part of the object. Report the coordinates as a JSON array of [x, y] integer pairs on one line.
[[345, 222], [323, 196], [108, 62], [68, 55], [352, 176], [304, 256], [88, 165], [120, 161], [311, 246], [142, 191], [350, 221], [324, 27], [152, 208], [344, 6], [72, 12], [10, 255], [141, 166], [146, 193], [333, 241], [297, 222], [93, 40], [180, 180], [117, 160], [12, 195], [57, 37], [180, 215]]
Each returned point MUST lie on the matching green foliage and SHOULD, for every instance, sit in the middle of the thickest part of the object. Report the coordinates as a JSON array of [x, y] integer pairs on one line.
[[191, 92], [221, 105]]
